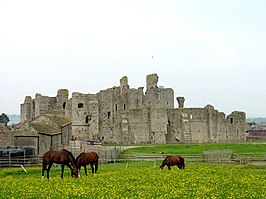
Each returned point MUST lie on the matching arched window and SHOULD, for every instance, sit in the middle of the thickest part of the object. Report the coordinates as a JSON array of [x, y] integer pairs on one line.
[[80, 105], [64, 105]]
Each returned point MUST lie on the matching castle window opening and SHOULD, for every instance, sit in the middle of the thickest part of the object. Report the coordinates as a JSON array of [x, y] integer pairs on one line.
[[166, 102], [124, 107], [108, 114], [116, 107], [64, 105], [191, 117], [87, 119], [231, 120], [80, 105]]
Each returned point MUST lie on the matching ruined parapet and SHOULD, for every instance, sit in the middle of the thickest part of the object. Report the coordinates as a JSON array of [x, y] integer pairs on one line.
[[41, 104], [124, 83], [62, 92], [236, 122], [62, 98], [180, 101], [209, 107], [25, 109], [151, 81]]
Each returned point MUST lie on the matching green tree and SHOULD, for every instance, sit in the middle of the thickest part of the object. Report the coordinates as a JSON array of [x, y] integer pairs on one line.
[[4, 119]]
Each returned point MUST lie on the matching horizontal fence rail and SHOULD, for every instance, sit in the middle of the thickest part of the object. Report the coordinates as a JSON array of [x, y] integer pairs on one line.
[[112, 154]]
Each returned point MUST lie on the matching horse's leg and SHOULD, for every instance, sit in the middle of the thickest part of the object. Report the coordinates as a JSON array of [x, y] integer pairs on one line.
[[68, 165], [63, 168], [85, 169], [169, 168], [92, 167], [48, 169], [96, 167], [43, 169]]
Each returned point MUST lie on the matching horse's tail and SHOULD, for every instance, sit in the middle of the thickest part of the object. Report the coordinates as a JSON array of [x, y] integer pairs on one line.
[[44, 165], [43, 157], [97, 158], [182, 162], [96, 163]]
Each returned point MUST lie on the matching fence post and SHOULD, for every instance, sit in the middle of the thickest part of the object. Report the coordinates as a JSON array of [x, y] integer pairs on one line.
[[9, 157], [127, 163], [105, 156], [154, 165], [24, 153]]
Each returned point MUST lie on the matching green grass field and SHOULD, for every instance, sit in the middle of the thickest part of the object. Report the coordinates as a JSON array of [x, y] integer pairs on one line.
[[138, 180], [183, 149]]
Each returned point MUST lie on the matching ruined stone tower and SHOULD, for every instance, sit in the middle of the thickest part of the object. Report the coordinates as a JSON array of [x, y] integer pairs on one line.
[[124, 115]]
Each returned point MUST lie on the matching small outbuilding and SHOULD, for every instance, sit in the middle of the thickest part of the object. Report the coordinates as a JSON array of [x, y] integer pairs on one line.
[[46, 132]]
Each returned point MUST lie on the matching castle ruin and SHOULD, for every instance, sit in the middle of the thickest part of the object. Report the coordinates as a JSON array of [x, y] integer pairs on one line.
[[124, 115]]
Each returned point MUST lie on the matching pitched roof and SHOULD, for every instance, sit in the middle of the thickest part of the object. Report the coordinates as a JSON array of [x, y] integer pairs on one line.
[[259, 127], [59, 119], [41, 125], [44, 128]]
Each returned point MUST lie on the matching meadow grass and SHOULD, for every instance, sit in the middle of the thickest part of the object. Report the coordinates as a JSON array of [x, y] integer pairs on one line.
[[198, 148], [138, 180]]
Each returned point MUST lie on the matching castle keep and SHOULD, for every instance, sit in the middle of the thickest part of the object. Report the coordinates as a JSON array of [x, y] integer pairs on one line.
[[124, 115]]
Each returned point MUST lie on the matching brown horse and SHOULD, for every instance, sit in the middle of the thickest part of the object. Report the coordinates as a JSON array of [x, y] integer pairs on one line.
[[84, 159], [63, 157], [172, 161]]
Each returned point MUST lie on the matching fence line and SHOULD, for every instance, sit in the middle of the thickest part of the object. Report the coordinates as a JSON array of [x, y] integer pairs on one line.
[[113, 155]]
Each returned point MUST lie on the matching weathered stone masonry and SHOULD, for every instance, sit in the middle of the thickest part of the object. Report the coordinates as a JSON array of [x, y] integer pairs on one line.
[[124, 115]]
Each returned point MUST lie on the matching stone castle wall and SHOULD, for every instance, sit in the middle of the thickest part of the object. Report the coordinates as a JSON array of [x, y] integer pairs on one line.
[[124, 115]]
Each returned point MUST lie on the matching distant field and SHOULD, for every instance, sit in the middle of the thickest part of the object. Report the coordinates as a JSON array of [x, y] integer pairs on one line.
[[183, 149], [198, 180]]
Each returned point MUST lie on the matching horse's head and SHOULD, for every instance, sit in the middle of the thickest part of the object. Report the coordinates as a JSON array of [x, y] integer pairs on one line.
[[75, 173]]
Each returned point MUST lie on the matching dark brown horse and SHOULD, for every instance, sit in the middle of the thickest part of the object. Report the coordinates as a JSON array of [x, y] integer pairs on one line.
[[84, 159], [63, 157], [172, 161]]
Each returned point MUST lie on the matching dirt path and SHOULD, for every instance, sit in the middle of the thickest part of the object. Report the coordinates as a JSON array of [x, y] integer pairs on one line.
[[258, 163]]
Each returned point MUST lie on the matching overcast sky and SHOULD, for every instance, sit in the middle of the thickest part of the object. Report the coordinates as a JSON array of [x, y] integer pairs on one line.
[[209, 51]]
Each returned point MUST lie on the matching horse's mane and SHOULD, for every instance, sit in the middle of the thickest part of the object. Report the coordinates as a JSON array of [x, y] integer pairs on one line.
[[79, 156], [69, 153]]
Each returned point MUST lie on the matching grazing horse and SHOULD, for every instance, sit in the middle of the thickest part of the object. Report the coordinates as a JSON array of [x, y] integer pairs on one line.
[[84, 159], [63, 157], [172, 161]]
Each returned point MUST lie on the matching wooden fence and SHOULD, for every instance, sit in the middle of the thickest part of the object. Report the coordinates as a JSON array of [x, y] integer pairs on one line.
[[113, 155]]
